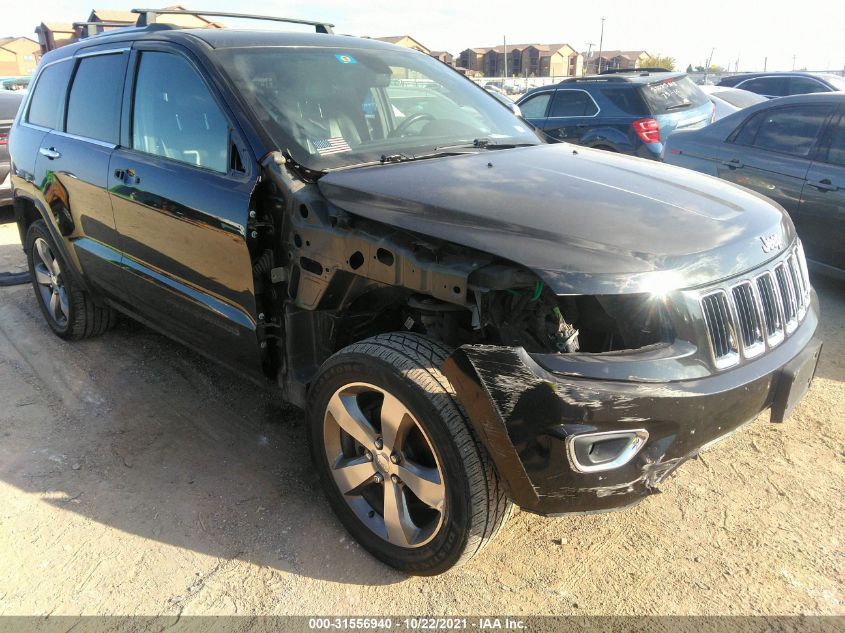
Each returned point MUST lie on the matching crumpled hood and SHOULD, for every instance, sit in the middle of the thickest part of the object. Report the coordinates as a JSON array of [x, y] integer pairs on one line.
[[586, 221]]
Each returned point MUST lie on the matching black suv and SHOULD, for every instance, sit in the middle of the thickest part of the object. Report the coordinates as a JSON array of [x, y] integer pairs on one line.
[[785, 84], [469, 316], [631, 112]]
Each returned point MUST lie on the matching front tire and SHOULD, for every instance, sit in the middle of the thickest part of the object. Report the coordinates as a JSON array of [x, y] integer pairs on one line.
[[401, 467], [68, 309]]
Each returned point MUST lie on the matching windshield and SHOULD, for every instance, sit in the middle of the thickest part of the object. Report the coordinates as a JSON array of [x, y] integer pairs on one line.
[[335, 107], [674, 93]]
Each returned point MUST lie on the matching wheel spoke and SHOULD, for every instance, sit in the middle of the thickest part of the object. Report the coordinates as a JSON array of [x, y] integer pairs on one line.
[[350, 474], [347, 415], [42, 276], [423, 482], [43, 250], [395, 422], [397, 521], [63, 306], [54, 305]]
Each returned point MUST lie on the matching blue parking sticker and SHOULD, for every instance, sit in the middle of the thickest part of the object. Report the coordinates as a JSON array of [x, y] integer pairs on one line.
[[345, 59]]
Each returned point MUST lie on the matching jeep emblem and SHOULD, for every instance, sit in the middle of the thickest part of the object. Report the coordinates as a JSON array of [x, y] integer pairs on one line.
[[773, 242]]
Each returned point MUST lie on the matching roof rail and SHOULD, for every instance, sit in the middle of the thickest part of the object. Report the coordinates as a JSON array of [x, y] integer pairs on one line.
[[86, 34], [602, 78], [149, 16]]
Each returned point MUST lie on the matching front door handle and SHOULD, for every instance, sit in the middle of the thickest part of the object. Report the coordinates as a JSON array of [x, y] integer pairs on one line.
[[824, 185], [733, 163], [127, 176], [49, 152]]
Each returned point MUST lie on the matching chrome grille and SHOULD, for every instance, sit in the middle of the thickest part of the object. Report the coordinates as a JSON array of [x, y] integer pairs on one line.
[[787, 297], [749, 318], [772, 310], [745, 318], [717, 313]]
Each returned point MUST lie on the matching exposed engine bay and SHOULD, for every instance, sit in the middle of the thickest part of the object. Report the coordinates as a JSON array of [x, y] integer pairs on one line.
[[328, 278]]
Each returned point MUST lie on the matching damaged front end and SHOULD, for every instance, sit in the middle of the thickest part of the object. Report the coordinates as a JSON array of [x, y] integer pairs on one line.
[[587, 389], [575, 433]]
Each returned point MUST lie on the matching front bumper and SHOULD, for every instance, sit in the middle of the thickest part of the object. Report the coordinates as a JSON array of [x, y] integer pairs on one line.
[[524, 415]]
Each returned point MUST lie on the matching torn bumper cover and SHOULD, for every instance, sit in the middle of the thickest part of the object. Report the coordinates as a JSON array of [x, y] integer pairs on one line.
[[524, 415]]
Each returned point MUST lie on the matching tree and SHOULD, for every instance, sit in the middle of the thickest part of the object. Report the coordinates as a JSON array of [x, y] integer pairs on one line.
[[658, 61], [689, 68]]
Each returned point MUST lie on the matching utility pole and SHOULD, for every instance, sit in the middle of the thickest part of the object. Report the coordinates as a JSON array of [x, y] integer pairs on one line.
[[601, 42], [707, 65], [765, 63], [587, 61], [505, 42], [793, 61]]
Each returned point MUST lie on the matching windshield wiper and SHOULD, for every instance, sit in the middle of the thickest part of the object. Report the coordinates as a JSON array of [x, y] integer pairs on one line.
[[484, 143], [395, 158], [678, 106]]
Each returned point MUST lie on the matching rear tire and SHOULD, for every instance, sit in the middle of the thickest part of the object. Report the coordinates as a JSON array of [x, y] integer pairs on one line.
[[68, 309], [375, 388]]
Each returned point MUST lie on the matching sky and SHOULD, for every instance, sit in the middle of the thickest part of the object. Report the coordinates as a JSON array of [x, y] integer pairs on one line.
[[810, 30]]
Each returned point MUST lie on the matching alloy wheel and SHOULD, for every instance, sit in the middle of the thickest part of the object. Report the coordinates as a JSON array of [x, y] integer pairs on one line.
[[49, 281], [384, 465]]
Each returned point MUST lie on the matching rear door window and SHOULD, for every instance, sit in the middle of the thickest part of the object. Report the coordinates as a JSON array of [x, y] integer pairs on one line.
[[805, 86], [93, 109], [535, 107], [769, 86], [673, 94], [568, 103], [49, 95], [792, 130], [175, 116]]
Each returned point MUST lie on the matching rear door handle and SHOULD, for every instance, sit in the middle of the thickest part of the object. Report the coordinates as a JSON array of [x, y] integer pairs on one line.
[[733, 163], [824, 185], [49, 152]]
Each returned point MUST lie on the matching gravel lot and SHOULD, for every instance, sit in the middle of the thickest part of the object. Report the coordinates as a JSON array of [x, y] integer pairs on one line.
[[138, 478]]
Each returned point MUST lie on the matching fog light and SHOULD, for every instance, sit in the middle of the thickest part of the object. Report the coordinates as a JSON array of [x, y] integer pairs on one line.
[[596, 452]]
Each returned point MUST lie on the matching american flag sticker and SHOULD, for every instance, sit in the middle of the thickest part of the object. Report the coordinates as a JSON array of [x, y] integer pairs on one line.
[[334, 145]]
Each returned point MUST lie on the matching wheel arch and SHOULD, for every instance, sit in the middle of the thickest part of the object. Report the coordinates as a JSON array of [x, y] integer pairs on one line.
[[29, 210]]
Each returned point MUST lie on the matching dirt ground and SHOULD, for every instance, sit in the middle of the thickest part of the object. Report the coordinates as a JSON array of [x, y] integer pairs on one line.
[[138, 478]]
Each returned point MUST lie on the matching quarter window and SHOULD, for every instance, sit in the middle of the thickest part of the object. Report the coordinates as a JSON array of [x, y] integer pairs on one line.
[[573, 103], [535, 107], [836, 149], [49, 94], [175, 116], [93, 109]]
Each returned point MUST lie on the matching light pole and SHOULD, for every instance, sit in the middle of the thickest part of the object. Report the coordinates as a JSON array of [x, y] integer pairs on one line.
[[505, 44], [586, 65], [601, 42]]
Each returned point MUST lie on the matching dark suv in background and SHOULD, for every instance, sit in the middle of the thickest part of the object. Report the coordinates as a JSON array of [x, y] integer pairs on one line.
[[9, 104], [784, 84], [471, 317], [631, 113]]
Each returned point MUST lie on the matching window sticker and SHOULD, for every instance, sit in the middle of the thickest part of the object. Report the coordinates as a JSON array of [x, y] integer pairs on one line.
[[345, 59], [328, 146]]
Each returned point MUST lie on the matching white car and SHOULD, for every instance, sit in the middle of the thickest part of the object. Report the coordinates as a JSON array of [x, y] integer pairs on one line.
[[729, 100]]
